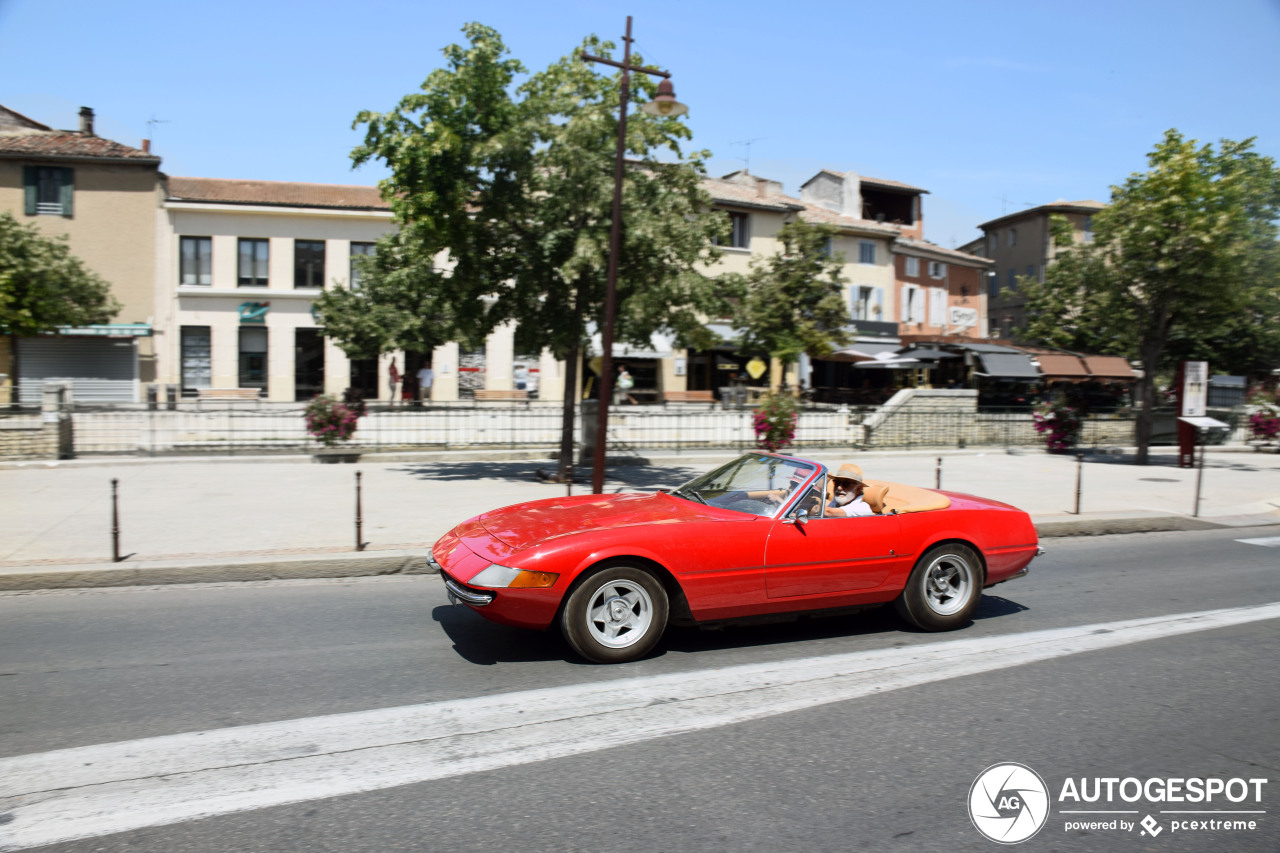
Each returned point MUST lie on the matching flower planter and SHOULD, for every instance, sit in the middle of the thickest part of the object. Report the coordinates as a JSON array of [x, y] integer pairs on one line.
[[334, 456]]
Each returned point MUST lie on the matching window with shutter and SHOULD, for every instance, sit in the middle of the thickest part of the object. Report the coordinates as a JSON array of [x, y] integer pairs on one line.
[[48, 190]]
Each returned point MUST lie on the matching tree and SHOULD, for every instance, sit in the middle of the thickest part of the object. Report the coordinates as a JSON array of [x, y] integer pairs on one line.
[[44, 286], [503, 196], [461, 157], [668, 225], [1180, 255], [792, 302]]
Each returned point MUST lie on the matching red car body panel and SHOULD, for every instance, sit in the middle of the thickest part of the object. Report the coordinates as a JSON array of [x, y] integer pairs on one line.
[[727, 564]]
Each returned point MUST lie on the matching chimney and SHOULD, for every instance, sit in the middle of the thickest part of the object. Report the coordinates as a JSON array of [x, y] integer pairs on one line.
[[146, 146], [86, 121]]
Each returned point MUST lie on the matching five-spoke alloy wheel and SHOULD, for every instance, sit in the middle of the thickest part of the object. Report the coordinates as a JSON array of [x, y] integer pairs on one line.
[[944, 588], [616, 614]]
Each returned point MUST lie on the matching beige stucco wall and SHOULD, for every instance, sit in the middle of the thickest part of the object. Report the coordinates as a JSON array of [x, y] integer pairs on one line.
[[111, 229], [218, 305]]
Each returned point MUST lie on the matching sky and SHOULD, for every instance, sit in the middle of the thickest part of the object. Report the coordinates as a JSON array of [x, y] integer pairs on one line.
[[991, 106]]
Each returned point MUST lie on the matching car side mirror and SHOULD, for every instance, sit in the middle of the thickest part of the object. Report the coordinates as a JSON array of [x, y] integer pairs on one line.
[[797, 516]]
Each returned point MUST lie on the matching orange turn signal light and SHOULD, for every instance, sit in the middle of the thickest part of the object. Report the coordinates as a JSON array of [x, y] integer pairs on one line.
[[533, 580]]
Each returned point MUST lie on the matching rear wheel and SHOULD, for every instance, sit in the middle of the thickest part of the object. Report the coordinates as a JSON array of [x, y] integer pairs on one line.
[[943, 590], [615, 615]]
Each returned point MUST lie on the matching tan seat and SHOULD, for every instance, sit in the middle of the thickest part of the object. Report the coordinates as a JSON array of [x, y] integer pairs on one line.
[[874, 498]]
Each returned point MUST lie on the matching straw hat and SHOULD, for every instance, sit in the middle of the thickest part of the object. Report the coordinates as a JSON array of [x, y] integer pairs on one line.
[[849, 471]]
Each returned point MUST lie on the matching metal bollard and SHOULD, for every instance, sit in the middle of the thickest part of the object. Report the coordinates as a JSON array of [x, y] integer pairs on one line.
[[1199, 476], [1079, 476], [359, 516], [115, 521], [937, 474]]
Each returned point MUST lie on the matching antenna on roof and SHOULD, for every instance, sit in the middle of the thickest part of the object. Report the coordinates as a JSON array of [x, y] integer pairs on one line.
[[151, 127], [748, 143]]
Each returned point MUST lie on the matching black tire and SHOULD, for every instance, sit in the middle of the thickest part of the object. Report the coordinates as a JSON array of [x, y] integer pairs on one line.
[[943, 590], [615, 615]]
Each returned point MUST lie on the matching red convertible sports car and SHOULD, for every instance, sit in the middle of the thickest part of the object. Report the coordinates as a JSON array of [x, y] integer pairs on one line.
[[751, 539]]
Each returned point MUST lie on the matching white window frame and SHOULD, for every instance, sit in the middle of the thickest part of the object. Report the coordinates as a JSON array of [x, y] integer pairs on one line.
[[937, 269], [866, 247], [913, 267], [913, 305], [938, 306]]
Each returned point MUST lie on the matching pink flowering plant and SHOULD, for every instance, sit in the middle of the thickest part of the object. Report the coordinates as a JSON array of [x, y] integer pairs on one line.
[[1059, 423], [775, 422], [1264, 419], [330, 421]]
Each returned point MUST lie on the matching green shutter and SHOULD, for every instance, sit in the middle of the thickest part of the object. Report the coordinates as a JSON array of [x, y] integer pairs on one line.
[[30, 191], [67, 190]]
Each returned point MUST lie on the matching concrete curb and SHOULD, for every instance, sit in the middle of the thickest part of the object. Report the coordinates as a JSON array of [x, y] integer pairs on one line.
[[220, 570], [414, 562]]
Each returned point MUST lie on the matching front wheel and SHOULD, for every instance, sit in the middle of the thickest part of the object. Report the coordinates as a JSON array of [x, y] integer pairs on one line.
[[615, 615], [943, 590]]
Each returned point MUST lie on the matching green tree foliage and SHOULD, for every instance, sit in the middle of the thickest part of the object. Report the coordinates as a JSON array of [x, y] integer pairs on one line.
[[793, 302], [44, 286], [503, 196], [461, 156], [1184, 257]]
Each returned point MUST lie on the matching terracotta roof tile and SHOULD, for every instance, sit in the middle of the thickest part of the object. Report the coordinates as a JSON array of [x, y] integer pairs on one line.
[[283, 193], [729, 192], [909, 244], [69, 144], [817, 213], [889, 185]]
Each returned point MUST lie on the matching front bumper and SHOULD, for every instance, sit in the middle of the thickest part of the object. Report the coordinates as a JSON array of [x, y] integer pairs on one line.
[[458, 592]]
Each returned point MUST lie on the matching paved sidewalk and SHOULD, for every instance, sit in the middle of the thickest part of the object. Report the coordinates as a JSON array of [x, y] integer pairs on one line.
[[253, 519]]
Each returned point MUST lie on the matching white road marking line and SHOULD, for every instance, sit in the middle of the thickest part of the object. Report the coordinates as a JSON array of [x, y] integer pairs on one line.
[[1266, 541], [116, 787]]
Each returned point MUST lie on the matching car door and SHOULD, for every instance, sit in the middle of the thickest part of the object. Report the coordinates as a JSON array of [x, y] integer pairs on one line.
[[817, 556]]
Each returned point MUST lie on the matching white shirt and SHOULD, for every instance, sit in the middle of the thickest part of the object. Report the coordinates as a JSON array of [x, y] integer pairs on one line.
[[425, 377], [855, 507]]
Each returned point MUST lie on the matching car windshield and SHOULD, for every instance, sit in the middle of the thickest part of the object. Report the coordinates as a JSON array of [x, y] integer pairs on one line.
[[754, 484]]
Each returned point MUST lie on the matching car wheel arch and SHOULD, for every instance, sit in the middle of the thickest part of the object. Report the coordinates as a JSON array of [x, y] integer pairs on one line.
[[679, 613], [958, 540]]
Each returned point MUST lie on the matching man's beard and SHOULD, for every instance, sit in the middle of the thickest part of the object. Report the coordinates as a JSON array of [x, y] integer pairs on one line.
[[845, 499]]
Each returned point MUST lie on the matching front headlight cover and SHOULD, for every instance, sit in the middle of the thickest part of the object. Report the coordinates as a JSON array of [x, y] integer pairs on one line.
[[504, 577]]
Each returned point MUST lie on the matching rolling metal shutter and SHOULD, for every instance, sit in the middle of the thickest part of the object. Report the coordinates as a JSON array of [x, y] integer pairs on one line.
[[101, 369]]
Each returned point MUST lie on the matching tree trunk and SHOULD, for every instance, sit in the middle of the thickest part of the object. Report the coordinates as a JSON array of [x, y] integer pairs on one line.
[[14, 401], [1151, 352], [570, 406]]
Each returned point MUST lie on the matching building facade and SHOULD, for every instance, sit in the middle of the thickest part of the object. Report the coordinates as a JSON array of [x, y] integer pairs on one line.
[[1021, 246], [103, 197]]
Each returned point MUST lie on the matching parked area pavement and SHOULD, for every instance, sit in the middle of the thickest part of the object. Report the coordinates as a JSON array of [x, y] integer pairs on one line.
[[227, 519]]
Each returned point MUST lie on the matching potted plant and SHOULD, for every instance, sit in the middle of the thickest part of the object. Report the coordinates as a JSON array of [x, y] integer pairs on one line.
[[1059, 423], [332, 423], [1264, 419], [775, 422]]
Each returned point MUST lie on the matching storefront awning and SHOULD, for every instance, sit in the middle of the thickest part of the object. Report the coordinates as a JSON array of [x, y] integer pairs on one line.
[[862, 351], [1007, 366], [926, 354], [1109, 367], [109, 330], [1068, 367], [660, 346]]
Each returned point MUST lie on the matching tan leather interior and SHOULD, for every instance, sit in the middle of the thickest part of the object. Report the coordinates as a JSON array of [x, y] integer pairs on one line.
[[874, 498], [906, 498]]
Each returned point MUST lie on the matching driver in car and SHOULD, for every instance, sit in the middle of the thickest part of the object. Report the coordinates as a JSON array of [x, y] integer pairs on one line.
[[846, 496]]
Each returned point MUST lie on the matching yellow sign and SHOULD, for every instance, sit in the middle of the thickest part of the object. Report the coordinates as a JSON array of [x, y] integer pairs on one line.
[[756, 368], [596, 364]]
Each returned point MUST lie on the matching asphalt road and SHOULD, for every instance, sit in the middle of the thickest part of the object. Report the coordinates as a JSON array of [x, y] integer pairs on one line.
[[891, 770]]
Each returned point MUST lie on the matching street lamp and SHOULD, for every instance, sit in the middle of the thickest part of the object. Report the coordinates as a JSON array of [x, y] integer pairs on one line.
[[665, 104]]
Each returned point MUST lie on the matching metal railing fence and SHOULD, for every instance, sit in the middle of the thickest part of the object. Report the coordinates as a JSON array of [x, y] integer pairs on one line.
[[279, 428]]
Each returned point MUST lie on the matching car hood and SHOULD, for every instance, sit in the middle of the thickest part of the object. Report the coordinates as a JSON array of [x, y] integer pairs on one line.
[[524, 525]]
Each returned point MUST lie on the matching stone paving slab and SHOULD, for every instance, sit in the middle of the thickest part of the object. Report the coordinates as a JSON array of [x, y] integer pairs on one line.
[[266, 518]]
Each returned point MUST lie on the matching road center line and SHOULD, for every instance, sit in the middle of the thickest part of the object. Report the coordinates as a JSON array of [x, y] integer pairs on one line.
[[1266, 541], [116, 787]]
